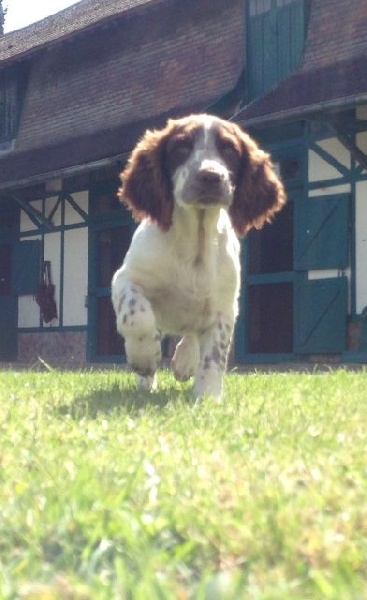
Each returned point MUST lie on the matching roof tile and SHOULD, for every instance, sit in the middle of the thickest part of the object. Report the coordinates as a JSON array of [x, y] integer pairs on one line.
[[79, 16]]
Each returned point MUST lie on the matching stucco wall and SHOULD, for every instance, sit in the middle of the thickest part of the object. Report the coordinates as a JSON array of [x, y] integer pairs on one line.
[[67, 250]]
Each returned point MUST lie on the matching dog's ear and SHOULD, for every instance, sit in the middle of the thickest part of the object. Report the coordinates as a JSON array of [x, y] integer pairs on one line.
[[259, 193], [146, 188]]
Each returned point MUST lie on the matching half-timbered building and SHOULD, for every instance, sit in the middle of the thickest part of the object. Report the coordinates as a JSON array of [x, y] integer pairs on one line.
[[78, 89], [305, 293]]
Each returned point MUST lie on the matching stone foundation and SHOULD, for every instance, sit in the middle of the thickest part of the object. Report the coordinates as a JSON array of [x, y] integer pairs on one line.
[[59, 348], [357, 334]]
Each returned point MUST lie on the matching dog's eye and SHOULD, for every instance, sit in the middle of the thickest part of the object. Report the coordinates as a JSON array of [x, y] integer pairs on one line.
[[227, 148], [182, 147], [178, 151]]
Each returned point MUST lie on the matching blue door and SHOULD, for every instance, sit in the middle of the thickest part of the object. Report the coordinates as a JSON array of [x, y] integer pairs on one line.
[[8, 303], [321, 309], [321, 302], [294, 290], [110, 232]]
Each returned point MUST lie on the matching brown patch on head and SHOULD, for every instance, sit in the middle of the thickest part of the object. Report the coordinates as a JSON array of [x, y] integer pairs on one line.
[[146, 187], [259, 193], [179, 146], [228, 145]]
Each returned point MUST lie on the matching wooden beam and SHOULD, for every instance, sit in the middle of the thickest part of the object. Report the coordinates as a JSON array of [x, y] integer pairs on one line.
[[35, 215], [348, 141]]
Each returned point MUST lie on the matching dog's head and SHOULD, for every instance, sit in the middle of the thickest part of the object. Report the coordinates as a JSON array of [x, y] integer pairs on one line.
[[201, 161]]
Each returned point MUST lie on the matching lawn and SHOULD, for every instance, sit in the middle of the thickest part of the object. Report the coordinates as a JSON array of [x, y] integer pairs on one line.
[[108, 493]]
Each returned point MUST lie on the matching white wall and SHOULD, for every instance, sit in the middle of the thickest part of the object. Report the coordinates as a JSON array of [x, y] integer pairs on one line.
[[26, 224], [72, 216], [52, 252], [74, 267], [75, 276], [28, 309], [319, 169]]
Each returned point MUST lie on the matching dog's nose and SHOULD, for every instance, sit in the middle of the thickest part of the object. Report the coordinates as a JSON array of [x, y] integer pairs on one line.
[[209, 176]]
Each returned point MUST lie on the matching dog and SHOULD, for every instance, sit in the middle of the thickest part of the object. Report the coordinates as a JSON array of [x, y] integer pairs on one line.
[[195, 186]]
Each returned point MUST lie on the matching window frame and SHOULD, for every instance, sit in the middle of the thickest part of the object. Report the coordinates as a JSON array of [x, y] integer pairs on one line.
[[12, 90]]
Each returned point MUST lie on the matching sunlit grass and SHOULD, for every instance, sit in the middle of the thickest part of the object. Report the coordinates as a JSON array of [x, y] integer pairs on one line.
[[114, 494]]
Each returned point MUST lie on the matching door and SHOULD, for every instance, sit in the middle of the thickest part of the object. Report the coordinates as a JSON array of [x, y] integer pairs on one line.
[[294, 291], [8, 304], [321, 309], [321, 250], [9, 223], [110, 235], [268, 290]]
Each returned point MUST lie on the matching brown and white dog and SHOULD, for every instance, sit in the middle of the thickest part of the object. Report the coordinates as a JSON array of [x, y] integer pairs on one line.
[[195, 186]]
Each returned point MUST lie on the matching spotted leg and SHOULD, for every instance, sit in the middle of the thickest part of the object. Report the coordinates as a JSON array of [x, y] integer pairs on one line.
[[135, 321], [186, 358], [214, 345]]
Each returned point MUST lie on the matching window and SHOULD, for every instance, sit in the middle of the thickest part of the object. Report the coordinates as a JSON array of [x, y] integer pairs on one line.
[[285, 2], [12, 86], [258, 7]]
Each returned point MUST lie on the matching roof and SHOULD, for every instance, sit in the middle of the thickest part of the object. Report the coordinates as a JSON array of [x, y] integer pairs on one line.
[[58, 27], [333, 70], [90, 99]]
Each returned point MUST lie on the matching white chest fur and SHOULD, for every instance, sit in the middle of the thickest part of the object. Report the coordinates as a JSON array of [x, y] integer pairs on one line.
[[189, 274]]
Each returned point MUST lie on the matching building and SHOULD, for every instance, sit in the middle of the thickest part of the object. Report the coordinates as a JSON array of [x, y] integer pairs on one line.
[[78, 89], [308, 103]]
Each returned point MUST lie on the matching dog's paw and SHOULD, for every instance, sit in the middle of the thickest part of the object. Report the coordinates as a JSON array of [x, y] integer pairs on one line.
[[147, 382], [186, 358]]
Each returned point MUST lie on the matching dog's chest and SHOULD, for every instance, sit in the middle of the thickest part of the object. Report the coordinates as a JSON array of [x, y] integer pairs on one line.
[[190, 299], [189, 274], [187, 303]]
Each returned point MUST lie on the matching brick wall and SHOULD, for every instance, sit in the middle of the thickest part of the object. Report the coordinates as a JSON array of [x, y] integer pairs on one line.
[[175, 55], [337, 32], [66, 348]]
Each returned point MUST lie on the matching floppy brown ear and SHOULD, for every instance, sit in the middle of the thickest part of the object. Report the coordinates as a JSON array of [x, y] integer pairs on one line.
[[146, 189], [259, 193]]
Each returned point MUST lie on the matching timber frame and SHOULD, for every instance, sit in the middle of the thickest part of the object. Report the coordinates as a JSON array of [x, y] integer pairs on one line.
[[87, 90]]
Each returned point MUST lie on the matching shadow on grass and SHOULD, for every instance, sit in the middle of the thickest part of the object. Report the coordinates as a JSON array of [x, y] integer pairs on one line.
[[116, 399]]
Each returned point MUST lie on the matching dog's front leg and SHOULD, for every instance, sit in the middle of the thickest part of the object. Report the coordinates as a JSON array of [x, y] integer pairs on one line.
[[214, 346], [186, 358], [135, 321]]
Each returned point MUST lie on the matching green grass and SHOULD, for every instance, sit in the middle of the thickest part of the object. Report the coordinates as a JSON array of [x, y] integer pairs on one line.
[[108, 493]]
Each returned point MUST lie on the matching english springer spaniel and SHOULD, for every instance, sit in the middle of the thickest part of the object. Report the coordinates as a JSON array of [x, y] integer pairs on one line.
[[194, 186]]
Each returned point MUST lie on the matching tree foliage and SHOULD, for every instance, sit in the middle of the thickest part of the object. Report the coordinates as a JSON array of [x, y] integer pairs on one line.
[[2, 17]]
